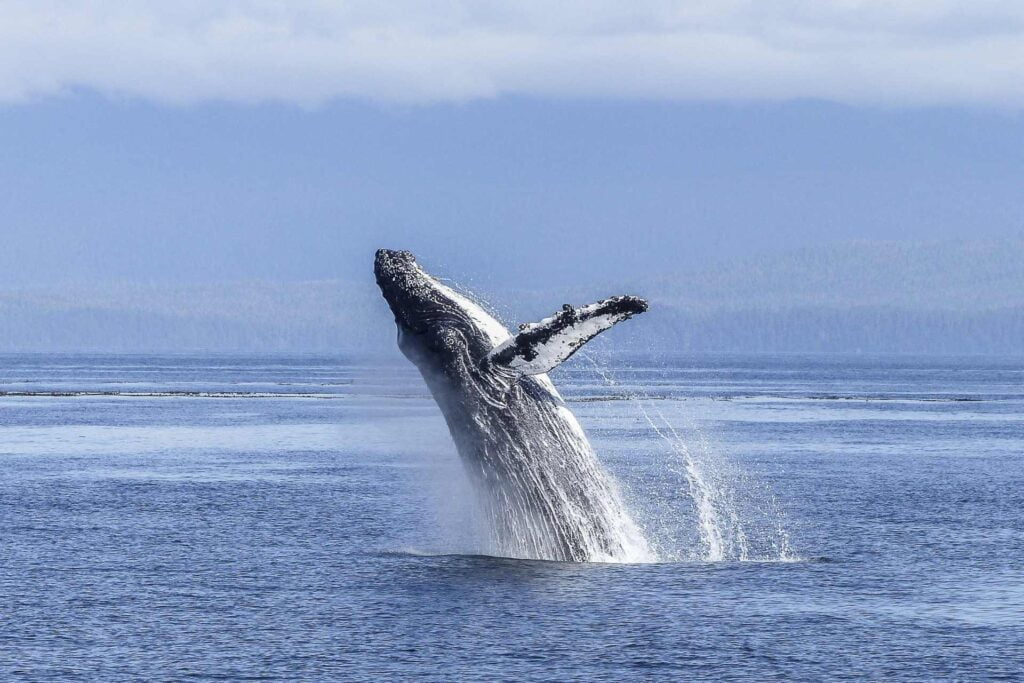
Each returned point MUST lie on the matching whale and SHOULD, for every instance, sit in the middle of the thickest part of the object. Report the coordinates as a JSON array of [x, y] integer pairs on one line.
[[543, 491]]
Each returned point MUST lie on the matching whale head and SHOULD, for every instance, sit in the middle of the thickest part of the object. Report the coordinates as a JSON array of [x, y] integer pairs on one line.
[[441, 329], [436, 325]]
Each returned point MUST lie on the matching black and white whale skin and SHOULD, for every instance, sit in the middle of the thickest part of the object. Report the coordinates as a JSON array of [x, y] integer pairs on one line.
[[543, 489]]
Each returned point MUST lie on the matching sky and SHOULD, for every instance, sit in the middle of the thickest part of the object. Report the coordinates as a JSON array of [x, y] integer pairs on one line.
[[313, 51], [203, 142]]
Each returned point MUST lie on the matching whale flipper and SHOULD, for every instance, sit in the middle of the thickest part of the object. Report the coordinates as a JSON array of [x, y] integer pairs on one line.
[[541, 346]]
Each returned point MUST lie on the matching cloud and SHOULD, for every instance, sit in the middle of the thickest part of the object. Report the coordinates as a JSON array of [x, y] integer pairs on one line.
[[891, 52]]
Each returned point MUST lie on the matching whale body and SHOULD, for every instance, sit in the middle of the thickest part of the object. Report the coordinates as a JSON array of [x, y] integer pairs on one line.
[[545, 494]]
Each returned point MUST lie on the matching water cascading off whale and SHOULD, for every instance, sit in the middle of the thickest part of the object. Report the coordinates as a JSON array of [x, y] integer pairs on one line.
[[545, 493]]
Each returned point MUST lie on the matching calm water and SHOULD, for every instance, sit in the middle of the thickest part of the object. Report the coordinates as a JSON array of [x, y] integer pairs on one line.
[[301, 518]]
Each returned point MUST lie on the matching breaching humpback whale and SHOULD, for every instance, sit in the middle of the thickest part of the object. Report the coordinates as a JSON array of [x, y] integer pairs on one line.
[[543, 489]]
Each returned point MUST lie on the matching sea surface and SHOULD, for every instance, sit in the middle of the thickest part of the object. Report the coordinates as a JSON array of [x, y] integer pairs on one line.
[[306, 518]]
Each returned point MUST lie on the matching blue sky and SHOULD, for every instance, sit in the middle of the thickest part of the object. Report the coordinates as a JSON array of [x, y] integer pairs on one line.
[[239, 140]]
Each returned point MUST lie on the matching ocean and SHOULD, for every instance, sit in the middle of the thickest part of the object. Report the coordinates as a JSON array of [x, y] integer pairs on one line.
[[239, 517]]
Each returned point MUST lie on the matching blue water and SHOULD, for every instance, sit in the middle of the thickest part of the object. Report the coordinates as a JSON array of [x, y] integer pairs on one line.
[[225, 517]]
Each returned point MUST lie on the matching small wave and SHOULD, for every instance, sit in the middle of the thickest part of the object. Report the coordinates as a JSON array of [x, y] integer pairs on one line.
[[872, 398], [726, 563], [170, 394], [905, 399], [621, 397], [417, 552], [864, 398]]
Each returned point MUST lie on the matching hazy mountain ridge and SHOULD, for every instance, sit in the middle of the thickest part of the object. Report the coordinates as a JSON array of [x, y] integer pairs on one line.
[[941, 297], [241, 316], [968, 276]]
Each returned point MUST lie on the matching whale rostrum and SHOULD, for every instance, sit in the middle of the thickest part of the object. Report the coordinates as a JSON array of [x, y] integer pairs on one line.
[[539, 483]]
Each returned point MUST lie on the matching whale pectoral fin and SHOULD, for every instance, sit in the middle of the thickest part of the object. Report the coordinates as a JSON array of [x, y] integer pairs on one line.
[[541, 346]]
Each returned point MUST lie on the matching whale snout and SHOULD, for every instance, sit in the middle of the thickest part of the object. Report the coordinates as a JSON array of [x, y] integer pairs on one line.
[[391, 262], [403, 285]]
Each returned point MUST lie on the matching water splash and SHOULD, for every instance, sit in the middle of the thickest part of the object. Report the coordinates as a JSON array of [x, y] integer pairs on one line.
[[714, 530], [735, 516]]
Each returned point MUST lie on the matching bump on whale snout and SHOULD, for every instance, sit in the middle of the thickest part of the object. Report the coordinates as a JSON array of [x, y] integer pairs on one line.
[[390, 262]]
